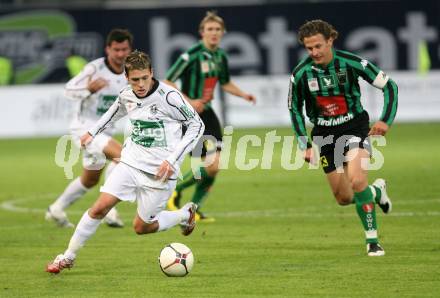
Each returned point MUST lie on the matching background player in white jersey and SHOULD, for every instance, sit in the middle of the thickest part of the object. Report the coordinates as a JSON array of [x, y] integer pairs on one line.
[[150, 159], [95, 89]]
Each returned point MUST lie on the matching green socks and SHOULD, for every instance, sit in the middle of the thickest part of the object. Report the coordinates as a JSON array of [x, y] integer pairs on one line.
[[365, 207], [202, 187], [188, 180]]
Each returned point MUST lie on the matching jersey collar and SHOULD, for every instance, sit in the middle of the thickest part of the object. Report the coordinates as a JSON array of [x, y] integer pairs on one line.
[[206, 49]]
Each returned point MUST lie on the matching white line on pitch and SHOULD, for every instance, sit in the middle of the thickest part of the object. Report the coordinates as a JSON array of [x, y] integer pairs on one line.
[[11, 205]]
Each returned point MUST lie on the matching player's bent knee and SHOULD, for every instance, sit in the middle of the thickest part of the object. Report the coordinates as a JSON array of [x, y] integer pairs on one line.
[[139, 230], [358, 184], [97, 213], [142, 229], [212, 171], [343, 198], [91, 182], [344, 201]]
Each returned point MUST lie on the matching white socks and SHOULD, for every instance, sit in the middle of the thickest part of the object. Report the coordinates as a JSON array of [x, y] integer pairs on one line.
[[76, 190], [112, 215], [73, 192], [168, 219], [86, 227]]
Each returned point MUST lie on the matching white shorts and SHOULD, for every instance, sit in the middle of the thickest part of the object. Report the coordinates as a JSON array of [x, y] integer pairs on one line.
[[130, 184], [93, 156]]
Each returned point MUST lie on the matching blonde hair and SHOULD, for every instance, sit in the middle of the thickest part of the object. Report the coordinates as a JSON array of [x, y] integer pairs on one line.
[[137, 60], [211, 16]]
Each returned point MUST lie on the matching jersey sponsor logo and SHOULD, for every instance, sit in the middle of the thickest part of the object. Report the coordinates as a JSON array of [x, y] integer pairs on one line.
[[313, 84], [204, 66], [335, 121], [328, 81], [148, 133], [208, 88], [364, 63], [104, 103], [342, 77], [331, 106]]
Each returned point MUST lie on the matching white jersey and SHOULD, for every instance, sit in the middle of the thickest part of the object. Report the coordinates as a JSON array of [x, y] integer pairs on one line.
[[90, 107], [156, 121]]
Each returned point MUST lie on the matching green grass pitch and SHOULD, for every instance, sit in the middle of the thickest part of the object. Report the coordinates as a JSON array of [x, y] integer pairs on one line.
[[277, 233]]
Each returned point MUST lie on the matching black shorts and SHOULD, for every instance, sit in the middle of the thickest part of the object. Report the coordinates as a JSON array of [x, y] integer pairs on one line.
[[334, 142], [212, 138]]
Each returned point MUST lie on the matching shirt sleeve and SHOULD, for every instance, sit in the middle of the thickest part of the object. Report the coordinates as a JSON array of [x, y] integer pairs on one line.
[[377, 78], [76, 88], [224, 76], [176, 70], [295, 102], [180, 110], [113, 114]]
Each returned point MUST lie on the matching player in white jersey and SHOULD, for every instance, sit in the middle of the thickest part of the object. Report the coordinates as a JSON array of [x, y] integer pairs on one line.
[[95, 90], [150, 159]]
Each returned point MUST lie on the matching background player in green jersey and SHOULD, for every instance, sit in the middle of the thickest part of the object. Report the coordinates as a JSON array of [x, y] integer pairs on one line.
[[199, 69], [327, 83]]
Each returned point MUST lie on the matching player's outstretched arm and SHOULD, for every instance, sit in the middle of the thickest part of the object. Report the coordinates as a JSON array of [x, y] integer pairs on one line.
[[113, 114], [233, 89], [180, 110], [198, 104], [377, 78], [95, 85], [310, 156], [77, 87], [379, 128]]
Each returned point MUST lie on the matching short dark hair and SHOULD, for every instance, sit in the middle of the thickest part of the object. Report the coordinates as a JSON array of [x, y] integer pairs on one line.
[[137, 60], [314, 27], [119, 35]]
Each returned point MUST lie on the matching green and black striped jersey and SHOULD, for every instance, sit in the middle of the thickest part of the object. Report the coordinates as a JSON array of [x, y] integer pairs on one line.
[[332, 95], [199, 69]]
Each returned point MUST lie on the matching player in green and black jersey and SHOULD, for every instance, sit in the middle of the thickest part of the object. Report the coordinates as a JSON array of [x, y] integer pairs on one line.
[[326, 83], [199, 69]]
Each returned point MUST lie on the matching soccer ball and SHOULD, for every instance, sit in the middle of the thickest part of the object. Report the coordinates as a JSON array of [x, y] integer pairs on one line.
[[176, 259]]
